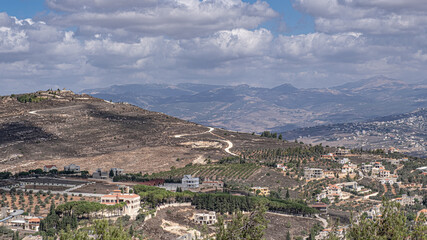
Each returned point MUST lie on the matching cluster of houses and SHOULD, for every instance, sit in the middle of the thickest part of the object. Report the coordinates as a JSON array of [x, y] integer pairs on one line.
[[406, 200], [347, 168], [340, 191], [15, 220], [377, 170], [339, 232], [98, 174]]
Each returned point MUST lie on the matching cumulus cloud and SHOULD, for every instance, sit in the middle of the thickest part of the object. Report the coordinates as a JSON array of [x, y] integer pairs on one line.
[[370, 17], [172, 18], [94, 43]]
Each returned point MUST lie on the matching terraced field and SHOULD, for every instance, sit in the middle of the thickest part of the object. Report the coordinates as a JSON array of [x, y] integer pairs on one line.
[[220, 171]]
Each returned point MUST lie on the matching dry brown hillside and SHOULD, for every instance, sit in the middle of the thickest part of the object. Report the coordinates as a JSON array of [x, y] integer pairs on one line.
[[60, 127]]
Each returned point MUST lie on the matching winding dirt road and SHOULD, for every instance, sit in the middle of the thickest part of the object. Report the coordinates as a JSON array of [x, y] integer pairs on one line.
[[222, 139]]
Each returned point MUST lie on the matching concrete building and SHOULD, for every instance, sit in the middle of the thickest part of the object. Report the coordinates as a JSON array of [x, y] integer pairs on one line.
[[205, 218], [377, 167], [343, 161], [406, 200], [366, 167], [391, 180], [49, 168], [342, 152], [353, 186], [348, 168], [133, 202], [384, 173], [99, 174], [189, 182], [374, 212], [72, 168], [333, 192], [313, 173], [213, 184], [116, 171]]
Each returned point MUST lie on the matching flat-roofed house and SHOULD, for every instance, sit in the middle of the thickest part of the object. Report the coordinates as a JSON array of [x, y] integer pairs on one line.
[[133, 202], [190, 182], [310, 173], [384, 173], [72, 168], [205, 218]]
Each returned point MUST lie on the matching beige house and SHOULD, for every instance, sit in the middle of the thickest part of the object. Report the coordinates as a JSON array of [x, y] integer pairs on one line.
[[133, 202], [384, 173]]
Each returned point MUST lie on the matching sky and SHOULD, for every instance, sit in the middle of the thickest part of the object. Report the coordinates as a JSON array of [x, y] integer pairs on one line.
[[81, 44]]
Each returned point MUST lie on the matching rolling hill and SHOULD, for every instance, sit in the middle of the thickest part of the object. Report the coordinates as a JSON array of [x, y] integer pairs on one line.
[[60, 127]]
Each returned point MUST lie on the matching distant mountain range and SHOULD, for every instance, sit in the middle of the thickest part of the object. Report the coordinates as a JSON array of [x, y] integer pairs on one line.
[[406, 132], [255, 109]]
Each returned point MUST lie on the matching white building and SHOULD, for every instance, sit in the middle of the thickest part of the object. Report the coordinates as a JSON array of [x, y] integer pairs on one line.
[[351, 186], [384, 173], [49, 168], [72, 168], [205, 218], [189, 182], [390, 181], [343, 161]]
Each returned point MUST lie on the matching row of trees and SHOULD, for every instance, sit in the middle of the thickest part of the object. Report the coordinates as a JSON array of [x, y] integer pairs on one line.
[[226, 203], [39, 172], [101, 229], [280, 154], [28, 98], [269, 134], [66, 215], [221, 202]]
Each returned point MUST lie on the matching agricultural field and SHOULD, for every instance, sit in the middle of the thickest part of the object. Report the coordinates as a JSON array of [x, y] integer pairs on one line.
[[216, 171], [37, 203]]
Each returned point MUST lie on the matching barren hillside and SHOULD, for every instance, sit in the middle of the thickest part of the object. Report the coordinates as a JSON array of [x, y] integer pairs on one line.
[[60, 127]]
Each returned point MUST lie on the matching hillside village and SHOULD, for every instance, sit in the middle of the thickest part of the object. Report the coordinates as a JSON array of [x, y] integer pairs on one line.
[[207, 176], [355, 182], [398, 133]]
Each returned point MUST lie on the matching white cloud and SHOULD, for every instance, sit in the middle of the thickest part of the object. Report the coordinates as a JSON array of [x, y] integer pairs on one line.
[[214, 41], [173, 18], [370, 17], [12, 40]]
